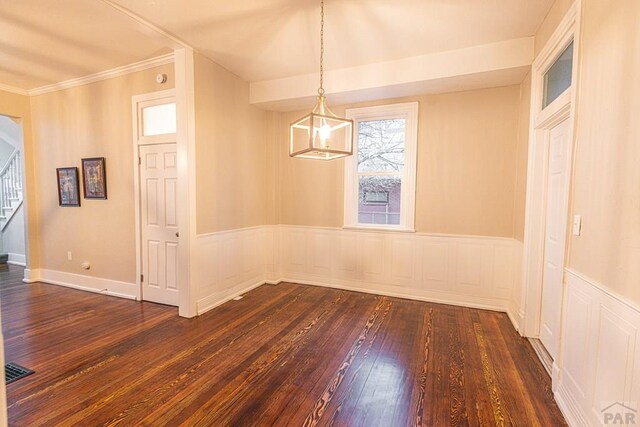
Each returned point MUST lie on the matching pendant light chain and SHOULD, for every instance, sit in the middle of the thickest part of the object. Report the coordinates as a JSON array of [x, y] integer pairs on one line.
[[321, 88]]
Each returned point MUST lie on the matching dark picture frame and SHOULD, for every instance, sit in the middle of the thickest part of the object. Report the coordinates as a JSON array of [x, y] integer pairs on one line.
[[68, 186], [94, 178]]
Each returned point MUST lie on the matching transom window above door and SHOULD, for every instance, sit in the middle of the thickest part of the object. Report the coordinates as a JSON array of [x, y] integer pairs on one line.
[[380, 177], [557, 79]]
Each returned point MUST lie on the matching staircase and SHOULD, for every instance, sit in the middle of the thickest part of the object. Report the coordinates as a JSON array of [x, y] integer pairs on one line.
[[11, 195]]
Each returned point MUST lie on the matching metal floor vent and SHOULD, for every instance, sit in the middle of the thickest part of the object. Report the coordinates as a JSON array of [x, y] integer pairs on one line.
[[13, 372]]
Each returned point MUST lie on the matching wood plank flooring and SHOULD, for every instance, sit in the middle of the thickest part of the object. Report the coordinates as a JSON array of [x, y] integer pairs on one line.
[[283, 355]]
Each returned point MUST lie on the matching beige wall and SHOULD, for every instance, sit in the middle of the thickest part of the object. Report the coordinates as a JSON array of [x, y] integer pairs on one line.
[[19, 106], [467, 168], [93, 120], [550, 23], [310, 192], [606, 189], [231, 152], [522, 158]]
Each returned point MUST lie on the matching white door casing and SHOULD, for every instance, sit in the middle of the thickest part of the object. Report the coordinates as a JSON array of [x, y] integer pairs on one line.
[[159, 204], [555, 235], [542, 121], [159, 223]]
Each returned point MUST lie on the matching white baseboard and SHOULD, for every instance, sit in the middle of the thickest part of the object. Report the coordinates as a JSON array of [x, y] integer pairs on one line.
[[84, 283], [31, 275], [515, 318], [569, 408], [212, 301], [543, 356], [392, 291], [17, 259]]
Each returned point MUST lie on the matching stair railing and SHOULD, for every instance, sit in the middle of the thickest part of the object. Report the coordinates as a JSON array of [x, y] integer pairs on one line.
[[10, 180]]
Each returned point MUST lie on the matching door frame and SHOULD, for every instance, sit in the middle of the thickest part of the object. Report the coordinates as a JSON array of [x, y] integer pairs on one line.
[[137, 103], [542, 120]]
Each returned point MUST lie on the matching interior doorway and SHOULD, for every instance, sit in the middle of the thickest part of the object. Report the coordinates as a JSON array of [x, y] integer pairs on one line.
[[156, 193], [13, 233], [551, 145]]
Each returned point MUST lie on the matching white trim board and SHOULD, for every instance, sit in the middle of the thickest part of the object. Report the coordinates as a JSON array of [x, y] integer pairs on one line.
[[92, 78], [541, 121], [17, 259], [150, 29], [186, 145], [209, 303], [434, 297], [409, 112], [13, 89], [84, 283]]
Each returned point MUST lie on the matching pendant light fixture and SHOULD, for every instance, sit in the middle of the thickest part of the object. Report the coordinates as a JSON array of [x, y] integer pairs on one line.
[[321, 134]]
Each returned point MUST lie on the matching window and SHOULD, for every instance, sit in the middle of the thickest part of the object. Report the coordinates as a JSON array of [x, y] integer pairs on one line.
[[558, 78], [376, 197], [380, 176], [159, 119]]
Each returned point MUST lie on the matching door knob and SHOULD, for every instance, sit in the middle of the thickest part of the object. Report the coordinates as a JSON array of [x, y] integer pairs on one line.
[[177, 234]]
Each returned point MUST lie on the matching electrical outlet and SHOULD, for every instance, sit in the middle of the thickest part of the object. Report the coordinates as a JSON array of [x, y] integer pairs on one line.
[[69, 256]]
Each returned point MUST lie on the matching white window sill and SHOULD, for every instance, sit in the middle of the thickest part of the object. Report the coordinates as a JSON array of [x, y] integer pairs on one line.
[[379, 228]]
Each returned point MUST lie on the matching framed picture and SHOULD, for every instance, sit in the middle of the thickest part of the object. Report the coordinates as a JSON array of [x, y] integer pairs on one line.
[[68, 188], [94, 178]]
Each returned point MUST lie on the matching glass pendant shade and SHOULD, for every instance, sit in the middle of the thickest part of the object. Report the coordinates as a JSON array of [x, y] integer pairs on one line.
[[321, 134]]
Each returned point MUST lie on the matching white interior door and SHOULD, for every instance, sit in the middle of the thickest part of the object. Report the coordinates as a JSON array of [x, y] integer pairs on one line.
[[158, 197], [555, 235]]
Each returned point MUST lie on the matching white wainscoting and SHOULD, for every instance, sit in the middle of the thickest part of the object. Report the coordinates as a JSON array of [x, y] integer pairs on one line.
[[470, 271], [600, 362], [462, 270], [230, 263]]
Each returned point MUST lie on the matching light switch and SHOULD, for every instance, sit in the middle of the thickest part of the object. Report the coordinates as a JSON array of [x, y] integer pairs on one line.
[[577, 224]]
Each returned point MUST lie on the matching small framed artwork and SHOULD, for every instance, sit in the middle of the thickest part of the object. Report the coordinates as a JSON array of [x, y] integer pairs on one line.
[[94, 178], [68, 187]]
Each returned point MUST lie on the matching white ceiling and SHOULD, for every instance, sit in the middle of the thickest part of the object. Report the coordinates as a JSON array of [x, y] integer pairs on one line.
[[46, 42], [269, 39], [43, 42]]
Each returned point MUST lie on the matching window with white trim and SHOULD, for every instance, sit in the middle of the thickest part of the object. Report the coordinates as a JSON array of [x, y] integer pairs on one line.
[[380, 177]]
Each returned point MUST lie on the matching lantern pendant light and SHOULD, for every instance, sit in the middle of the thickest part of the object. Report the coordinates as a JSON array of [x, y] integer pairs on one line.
[[321, 134]]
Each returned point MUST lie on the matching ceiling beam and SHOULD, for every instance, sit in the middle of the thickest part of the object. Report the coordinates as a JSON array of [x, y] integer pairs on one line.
[[467, 68]]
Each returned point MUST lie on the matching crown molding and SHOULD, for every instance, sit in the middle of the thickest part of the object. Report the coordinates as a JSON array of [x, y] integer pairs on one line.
[[13, 89], [150, 29], [104, 75]]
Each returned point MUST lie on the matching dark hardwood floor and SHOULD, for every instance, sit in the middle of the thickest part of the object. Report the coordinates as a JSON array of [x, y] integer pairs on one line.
[[282, 355]]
